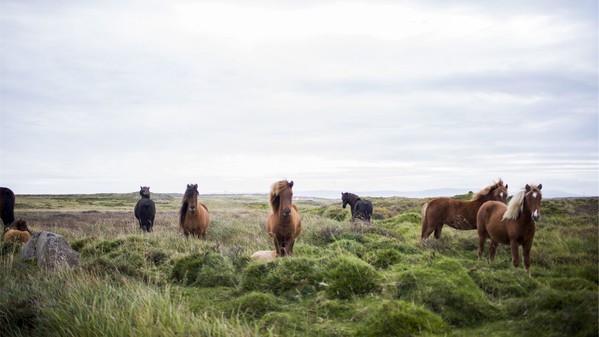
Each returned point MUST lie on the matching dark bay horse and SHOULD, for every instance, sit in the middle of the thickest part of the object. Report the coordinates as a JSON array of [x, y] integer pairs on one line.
[[360, 209], [284, 223], [456, 213], [514, 224], [145, 210], [194, 217], [7, 206]]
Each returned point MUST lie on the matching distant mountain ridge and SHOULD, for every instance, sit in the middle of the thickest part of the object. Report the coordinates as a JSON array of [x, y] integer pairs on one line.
[[441, 192]]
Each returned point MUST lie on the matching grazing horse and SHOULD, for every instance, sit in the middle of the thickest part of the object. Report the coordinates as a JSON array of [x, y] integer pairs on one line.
[[145, 210], [284, 223], [194, 217], [17, 232], [458, 214], [360, 209], [7, 206], [512, 225]]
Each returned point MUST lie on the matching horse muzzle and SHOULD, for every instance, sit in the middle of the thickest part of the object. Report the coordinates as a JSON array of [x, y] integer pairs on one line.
[[192, 209], [536, 215], [286, 212]]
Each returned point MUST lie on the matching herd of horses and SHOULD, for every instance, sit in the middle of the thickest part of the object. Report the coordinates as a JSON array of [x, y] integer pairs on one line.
[[488, 212]]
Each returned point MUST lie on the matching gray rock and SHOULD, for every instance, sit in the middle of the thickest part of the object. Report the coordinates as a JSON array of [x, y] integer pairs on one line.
[[51, 251]]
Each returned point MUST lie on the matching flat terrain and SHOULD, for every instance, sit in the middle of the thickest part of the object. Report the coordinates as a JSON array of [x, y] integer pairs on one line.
[[345, 279]]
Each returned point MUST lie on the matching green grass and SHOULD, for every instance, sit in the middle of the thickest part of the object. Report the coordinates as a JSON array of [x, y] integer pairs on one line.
[[345, 279]]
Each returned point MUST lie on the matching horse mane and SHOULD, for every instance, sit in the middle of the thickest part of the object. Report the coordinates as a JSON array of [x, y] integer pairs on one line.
[[275, 191], [487, 190], [516, 205]]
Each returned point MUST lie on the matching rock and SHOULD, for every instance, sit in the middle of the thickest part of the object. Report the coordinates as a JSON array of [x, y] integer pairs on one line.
[[51, 251]]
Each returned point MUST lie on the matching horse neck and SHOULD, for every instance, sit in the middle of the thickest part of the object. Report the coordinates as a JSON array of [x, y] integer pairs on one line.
[[353, 200], [525, 216]]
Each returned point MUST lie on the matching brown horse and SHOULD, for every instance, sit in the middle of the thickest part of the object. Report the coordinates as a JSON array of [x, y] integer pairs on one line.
[[17, 232], [284, 224], [194, 217], [512, 225], [456, 213]]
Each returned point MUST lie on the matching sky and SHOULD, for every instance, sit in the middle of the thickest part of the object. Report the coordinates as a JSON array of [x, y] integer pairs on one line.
[[106, 96]]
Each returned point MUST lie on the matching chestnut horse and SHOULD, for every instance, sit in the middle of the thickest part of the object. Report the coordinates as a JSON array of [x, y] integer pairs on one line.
[[456, 213], [7, 206], [194, 217], [360, 208], [284, 224], [145, 210], [512, 225], [17, 232]]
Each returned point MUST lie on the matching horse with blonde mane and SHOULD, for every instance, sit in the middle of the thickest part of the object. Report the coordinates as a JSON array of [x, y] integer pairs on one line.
[[514, 224], [456, 213], [194, 217], [284, 223], [17, 231]]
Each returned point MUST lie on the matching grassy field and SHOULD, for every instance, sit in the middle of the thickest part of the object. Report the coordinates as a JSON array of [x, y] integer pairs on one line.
[[344, 280]]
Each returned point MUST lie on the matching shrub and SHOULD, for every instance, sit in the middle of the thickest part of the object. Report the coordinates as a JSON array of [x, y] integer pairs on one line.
[[398, 318], [348, 276]]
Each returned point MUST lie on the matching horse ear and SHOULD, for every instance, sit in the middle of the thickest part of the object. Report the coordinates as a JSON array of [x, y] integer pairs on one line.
[[527, 188], [506, 186], [291, 183], [195, 186], [540, 186], [141, 188]]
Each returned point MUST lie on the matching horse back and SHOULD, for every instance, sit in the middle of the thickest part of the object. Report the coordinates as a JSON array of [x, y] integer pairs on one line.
[[489, 220]]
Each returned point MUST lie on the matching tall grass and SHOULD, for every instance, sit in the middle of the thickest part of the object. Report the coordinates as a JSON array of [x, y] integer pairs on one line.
[[345, 279]]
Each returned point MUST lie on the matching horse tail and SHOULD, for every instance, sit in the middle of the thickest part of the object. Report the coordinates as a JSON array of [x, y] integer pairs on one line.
[[423, 220]]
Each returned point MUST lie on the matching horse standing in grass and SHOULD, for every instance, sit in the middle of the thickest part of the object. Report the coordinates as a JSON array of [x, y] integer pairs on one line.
[[145, 210], [194, 217], [284, 223], [360, 209], [512, 225], [458, 214], [7, 206]]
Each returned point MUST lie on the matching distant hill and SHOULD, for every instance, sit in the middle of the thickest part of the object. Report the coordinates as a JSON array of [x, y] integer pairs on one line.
[[442, 192]]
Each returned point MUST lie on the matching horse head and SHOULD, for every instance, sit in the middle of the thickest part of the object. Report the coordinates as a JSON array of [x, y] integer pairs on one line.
[[286, 197], [500, 192], [532, 200], [344, 198], [144, 191], [191, 197]]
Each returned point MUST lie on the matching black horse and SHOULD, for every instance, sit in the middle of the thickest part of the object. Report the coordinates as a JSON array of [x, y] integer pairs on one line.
[[145, 210], [360, 209], [7, 206]]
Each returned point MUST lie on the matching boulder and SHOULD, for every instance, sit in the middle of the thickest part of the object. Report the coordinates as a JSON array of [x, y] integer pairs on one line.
[[51, 251]]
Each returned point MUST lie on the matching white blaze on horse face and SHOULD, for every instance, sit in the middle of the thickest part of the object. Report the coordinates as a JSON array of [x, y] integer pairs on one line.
[[535, 214], [534, 194], [501, 195]]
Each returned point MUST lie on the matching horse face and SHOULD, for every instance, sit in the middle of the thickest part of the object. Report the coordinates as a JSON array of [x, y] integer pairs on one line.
[[191, 197], [344, 199], [286, 197], [144, 191], [533, 201], [500, 194]]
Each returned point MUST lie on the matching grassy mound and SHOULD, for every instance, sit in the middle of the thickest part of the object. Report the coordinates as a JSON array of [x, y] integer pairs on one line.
[[348, 276]]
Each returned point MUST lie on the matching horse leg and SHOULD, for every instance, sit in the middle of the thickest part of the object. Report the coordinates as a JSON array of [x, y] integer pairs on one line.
[[526, 252], [438, 231], [493, 249], [482, 239], [291, 242], [277, 246], [515, 254]]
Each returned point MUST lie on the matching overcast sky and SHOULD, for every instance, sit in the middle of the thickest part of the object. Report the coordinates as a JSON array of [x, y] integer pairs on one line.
[[105, 96]]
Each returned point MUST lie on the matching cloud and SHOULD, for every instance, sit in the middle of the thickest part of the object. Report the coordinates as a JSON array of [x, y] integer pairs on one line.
[[362, 95]]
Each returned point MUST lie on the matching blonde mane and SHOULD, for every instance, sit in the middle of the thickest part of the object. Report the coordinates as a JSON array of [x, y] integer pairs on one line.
[[485, 191], [275, 191], [516, 205]]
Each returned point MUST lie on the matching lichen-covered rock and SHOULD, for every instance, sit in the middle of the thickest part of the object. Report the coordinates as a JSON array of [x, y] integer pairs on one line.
[[50, 251]]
